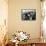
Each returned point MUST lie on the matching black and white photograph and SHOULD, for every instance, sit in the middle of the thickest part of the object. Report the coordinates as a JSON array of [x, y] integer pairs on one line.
[[28, 14]]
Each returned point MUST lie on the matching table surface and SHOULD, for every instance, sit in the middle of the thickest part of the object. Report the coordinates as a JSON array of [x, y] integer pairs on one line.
[[32, 41], [36, 41]]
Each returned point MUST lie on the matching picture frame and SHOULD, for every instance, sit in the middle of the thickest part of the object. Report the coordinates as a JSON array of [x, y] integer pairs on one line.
[[28, 14]]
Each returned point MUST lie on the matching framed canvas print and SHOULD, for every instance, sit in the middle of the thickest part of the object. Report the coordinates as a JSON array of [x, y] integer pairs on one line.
[[28, 14]]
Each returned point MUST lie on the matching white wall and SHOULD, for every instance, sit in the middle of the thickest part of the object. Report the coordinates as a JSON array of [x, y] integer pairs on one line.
[[14, 18]]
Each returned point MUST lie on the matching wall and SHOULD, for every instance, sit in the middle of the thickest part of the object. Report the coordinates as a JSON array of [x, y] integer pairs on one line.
[[14, 18]]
